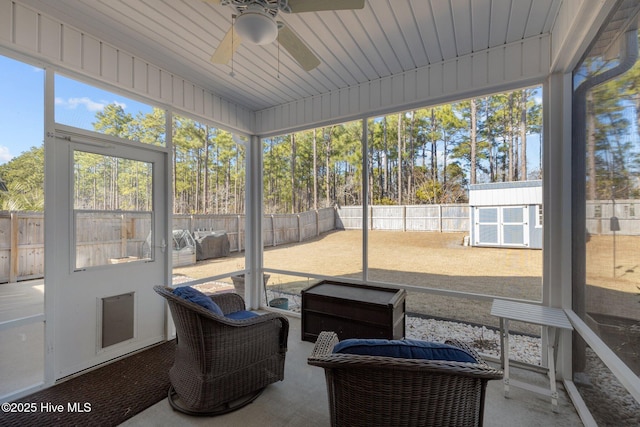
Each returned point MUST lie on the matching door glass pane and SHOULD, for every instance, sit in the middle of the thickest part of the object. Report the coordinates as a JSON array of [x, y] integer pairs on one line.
[[488, 233], [112, 209], [488, 215], [512, 214], [513, 234]]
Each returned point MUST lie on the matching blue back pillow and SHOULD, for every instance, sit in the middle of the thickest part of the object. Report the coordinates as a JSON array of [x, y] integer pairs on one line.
[[404, 349], [191, 294]]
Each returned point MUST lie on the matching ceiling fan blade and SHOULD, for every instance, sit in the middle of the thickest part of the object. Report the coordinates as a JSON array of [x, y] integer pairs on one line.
[[227, 46], [298, 6], [300, 52], [212, 1]]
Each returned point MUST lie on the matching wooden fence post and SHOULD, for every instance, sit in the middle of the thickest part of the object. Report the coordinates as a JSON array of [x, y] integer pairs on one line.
[[13, 261], [273, 230], [239, 240], [123, 236], [370, 217], [404, 218], [299, 229]]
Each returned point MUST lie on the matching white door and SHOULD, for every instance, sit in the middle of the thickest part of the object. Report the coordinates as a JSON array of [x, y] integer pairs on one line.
[[501, 226], [111, 226], [515, 227], [487, 226]]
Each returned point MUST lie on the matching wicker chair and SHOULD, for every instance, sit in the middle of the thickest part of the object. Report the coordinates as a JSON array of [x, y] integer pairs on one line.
[[222, 364], [386, 391]]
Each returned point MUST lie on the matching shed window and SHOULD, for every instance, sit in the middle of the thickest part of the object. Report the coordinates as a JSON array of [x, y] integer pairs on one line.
[[539, 216]]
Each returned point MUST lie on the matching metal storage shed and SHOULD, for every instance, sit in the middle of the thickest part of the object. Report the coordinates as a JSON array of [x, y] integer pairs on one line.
[[506, 214]]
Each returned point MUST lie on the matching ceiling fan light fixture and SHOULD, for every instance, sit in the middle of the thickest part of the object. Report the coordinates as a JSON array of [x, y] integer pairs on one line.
[[256, 26]]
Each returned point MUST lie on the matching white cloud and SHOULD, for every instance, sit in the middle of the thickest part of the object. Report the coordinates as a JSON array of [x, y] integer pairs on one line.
[[87, 103], [5, 155]]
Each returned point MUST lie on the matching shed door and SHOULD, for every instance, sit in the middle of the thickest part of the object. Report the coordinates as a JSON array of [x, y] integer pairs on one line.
[[501, 226], [487, 226], [515, 230]]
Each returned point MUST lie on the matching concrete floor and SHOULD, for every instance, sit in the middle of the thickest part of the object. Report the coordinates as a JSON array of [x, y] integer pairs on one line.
[[301, 400]]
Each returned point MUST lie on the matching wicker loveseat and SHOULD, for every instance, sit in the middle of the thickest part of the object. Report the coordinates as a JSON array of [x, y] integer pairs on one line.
[[367, 390], [221, 364]]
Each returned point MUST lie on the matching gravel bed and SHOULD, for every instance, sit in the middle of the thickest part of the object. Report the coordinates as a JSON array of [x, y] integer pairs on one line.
[[486, 341], [609, 402]]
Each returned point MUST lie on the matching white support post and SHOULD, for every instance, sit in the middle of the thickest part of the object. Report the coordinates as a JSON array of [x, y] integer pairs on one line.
[[253, 225], [365, 202]]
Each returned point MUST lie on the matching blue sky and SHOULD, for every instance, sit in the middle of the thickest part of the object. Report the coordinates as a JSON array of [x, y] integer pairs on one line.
[[22, 111], [21, 108]]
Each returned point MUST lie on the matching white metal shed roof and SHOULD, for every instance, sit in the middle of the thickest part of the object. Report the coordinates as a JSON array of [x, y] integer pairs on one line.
[[506, 193]]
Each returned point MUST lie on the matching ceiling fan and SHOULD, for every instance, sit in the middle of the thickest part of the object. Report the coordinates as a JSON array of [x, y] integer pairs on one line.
[[255, 22]]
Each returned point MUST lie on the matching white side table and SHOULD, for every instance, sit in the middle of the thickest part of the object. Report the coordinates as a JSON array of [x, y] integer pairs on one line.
[[551, 319]]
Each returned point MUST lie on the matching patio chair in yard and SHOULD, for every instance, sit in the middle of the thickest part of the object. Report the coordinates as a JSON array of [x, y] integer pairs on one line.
[[401, 382], [225, 355]]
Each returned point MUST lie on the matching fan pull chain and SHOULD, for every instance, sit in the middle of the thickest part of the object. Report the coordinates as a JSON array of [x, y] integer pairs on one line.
[[233, 24]]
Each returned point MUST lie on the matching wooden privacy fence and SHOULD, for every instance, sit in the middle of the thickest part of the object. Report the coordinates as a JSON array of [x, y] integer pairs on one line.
[[21, 246], [607, 216], [277, 229], [102, 237], [105, 236], [233, 225], [291, 228], [442, 218]]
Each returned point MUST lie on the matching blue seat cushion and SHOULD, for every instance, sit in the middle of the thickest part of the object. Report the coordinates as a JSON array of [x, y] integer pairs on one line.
[[405, 349], [241, 315], [191, 294]]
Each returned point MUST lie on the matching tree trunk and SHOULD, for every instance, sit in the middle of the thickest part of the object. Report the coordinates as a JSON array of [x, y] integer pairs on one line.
[[227, 186], [591, 149], [218, 179], [399, 158], [510, 138], [385, 162], [205, 184], [434, 144], [523, 137], [293, 173], [445, 149], [315, 172], [175, 178], [196, 207], [411, 157], [473, 141], [327, 167]]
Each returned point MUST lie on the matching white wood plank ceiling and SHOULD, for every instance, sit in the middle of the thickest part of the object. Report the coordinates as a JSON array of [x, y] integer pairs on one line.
[[387, 37]]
